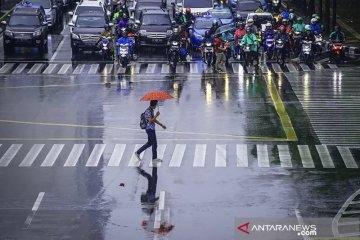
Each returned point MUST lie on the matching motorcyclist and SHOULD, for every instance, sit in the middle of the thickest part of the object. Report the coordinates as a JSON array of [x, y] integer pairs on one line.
[[252, 26], [175, 37], [187, 18], [299, 26], [250, 39], [228, 36], [124, 39], [315, 25], [239, 33], [284, 36], [184, 37], [117, 15], [207, 38], [337, 36], [286, 25], [308, 34], [292, 16], [214, 27], [123, 24], [107, 32], [268, 30]]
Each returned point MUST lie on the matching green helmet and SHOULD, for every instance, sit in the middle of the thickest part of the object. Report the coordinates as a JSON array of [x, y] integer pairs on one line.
[[315, 15], [307, 28], [300, 19]]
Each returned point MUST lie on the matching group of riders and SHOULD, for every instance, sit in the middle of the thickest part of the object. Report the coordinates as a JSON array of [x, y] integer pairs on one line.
[[243, 44]]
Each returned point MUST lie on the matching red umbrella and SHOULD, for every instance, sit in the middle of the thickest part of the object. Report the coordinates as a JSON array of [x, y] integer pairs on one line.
[[156, 95]]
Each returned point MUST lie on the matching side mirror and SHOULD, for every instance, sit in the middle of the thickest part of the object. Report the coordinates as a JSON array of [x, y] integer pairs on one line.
[[71, 24], [71, 13], [3, 22]]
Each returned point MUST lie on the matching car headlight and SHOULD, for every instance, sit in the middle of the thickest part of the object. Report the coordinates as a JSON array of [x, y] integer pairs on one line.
[[9, 33], [142, 31], [169, 32], [75, 36], [37, 33]]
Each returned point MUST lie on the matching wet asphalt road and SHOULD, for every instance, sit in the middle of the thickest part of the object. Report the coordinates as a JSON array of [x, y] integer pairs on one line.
[[238, 145]]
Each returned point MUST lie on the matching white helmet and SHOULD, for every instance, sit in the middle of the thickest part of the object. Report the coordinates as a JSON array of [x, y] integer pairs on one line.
[[250, 21], [268, 25], [313, 20]]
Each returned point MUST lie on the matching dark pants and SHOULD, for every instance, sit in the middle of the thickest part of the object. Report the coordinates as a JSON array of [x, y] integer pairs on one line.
[[151, 142]]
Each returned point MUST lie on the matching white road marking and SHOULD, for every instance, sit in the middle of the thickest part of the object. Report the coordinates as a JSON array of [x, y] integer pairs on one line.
[[157, 220], [194, 68], [347, 157], [9, 154], [200, 153], [276, 67], [325, 156], [74, 155], [117, 155], [121, 70], [178, 155], [136, 69], [151, 68], [19, 68], [264, 69], [318, 66], [50, 69], [95, 155], [93, 69], [291, 67], [162, 200], [108, 69], [34, 209], [332, 66], [284, 155], [306, 157], [179, 69], [262, 155], [52, 155], [79, 69], [31, 155], [301, 222], [305, 67], [58, 48], [6, 68], [220, 155], [64, 69], [134, 162], [237, 68], [251, 69], [165, 68], [160, 153], [36, 68], [242, 155]]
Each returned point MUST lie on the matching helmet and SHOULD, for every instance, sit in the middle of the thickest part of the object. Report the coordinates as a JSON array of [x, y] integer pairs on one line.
[[188, 10], [315, 16], [248, 29], [207, 33], [268, 25], [300, 19], [313, 20], [107, 27], [285, 20], [215, 23], [250, 21], [241, 24], [282, 29], [291, 10], [307, 28]]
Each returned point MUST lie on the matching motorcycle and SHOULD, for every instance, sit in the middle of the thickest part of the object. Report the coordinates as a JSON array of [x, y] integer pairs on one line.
[[209, 53], [269, 45], [337, 53], [280, 51], [249, 56], [106, 52], [240, 53], [306, 53], [296, 37], [124, 56], [275, 4], [228, 45], [174, 54], [318, 44]]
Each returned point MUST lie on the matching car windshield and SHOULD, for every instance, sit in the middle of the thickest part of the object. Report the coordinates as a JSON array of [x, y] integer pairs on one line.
[[221, 14], [203, 24], [247, 6], [198, 4], [24, 20], [264, 18], [90, 22], [44, 3], [87, 9], [155, 19]]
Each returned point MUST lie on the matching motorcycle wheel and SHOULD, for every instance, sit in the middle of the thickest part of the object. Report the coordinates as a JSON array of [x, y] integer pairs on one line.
[[208, 59], [123, 62], [269, 55]]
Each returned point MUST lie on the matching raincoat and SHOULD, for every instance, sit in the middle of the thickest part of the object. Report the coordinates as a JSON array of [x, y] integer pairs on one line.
[[250, 39]]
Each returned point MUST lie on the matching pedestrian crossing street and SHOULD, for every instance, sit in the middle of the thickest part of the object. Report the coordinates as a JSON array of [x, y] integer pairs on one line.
[[149, 68], [179, 155]]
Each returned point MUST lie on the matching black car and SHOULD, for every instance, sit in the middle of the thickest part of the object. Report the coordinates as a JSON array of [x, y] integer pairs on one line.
[[155, 27], [243, 8], [86, 31], [27, 27]]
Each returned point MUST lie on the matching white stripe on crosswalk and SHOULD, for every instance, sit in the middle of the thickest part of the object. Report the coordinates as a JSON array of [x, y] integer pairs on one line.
[[50, 69], [6, 68], [32, 155], [251, 69], [178, 155], [194, 68], [9, 154], [165, 68], [318, 66], [117, 155], [74, 155], [306, 157], [52, 155], [135, 69], [19, 68], [134, 162], [284, 155], [95, 155], [108, 69], [160, 154], [264, 69], [220, 155], [79, 69], [347, 157], [237, 68], [200, 154], [291, 67], [36, 69], [325, 156], [179, 69], [151, 68], [65, 69], [94, 68], [276, 67], [263, 155], [332, 66], [242, 155], [121, 70], [304, 67]]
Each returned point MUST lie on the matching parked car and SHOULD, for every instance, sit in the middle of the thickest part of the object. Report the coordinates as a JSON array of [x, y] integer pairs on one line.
[[243, 8], [51, 8], [222, 13], [27, 27]]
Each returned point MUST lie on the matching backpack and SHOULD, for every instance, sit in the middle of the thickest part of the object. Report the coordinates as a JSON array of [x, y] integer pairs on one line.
[[143, 121]]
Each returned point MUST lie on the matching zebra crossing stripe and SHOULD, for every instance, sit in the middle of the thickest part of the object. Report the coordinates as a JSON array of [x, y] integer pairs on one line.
[[117, 155], [200, 154], [32, 155], [325, 157], [178, 155], [291, 67], [242, 155], [305, 155], [134, 162], [79, 69], [263, 155], [52, 155], [284, 155], [50, 69], [36, 68], [151, 68], [64, 69], [74, 155], [95, 155], [277, 68], [332, 66], [19, 68], [165, 68], [251, 69], [121, 70], [108, 69], [94, 68], [304, 67], [160, 152], [220, 155], [6, 68], [180, 69], [9, 154], [264, 69], [194, 68], [347, 157]]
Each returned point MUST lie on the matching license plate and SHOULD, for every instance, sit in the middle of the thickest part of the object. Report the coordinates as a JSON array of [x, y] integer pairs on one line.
[[24, 37], [89, 44]]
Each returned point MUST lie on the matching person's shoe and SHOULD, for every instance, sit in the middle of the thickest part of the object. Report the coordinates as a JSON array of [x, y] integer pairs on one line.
[[137, 156]]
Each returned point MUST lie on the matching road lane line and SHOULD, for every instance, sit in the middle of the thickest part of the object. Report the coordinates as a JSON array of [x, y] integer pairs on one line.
[[34, 209], [178, 155], [325, 157], [32, 155], [262, 155], [165, 68], [162, 200], [304, 67], [332, 66], [36, 68], [242, 155], [50, 68], [58, 48], [74, 155], [95, 155], [52, 155], [134, 161], [284, 155], [276, 67], [117, 155], [301, 222], [79, 69], [220, 155], [347, 157], [9, 154], [19, 68], [94, 68], [6, 68], [306, 157], [291, 67], [179, 69], [200, 153], [160, 152], [194, 68], [151, 68], [64, 69]]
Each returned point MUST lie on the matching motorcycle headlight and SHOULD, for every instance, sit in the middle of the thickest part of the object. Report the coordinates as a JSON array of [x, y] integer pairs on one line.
[[142, 31], [169, 32], [9, 33], [275, 1], [37, 33], [75, 36]]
